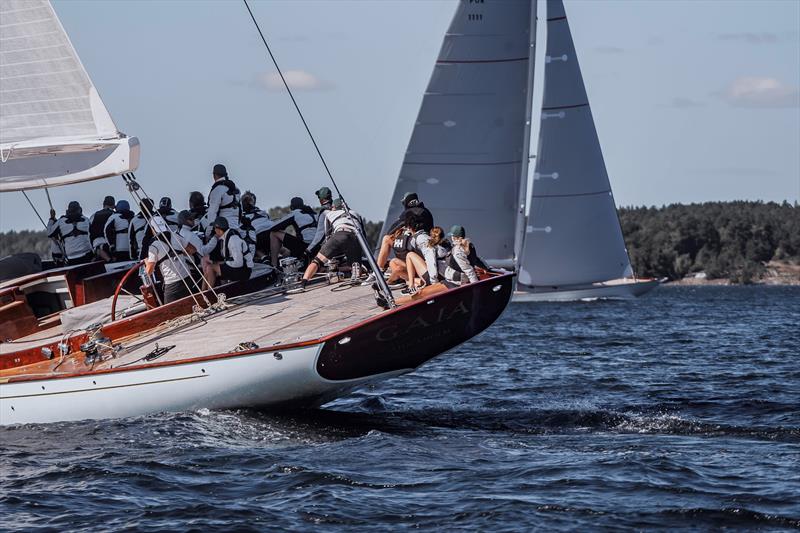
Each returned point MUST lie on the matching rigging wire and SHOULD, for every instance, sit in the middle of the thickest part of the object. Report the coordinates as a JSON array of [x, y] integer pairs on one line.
[[380, 281], [34, 209]]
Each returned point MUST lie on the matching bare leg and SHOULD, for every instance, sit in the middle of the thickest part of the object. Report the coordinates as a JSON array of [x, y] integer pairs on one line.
[[398, 269], [312, 267], [102, 254], [417, 269], [275, 244], [383, 255], [211, 272]]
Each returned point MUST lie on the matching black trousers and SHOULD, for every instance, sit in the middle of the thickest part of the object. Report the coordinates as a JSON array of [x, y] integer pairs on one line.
[[176, 291]]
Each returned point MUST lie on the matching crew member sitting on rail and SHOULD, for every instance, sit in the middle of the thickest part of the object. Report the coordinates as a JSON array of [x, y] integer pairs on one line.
[[462, 260], [421, 263], [256, 221], [227, 255], [72, 229], [97, 224], [137, 229], [116, 232], [169, 215], [401, 246], [341, 240], [223, 201], [165, 253], [304, 221], [412, 206], [325, 201]]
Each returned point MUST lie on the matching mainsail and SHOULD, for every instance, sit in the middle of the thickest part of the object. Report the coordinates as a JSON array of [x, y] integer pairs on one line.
[[54, 128], [468, 150], [573, 234]]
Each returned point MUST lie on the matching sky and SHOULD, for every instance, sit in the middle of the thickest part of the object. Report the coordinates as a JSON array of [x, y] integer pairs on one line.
[[693, 100]]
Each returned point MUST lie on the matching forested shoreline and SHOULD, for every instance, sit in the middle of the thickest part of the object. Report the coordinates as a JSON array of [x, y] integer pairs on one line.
[[724, 240]]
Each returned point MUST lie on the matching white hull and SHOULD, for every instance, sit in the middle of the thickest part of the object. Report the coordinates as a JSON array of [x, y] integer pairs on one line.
[[625, 290], [255, 380]]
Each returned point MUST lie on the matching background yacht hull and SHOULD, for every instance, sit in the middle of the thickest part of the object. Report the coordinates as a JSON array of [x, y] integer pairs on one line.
[[616, 291]]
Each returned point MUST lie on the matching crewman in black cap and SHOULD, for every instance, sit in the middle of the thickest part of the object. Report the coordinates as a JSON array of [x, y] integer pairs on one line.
[[223, 200], [166, 211], [72, 229], [97, 224], [325, 200]]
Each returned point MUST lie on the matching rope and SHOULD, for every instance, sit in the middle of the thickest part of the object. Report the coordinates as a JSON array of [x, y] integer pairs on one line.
[[130, 180], [34, 210], [361, 239]]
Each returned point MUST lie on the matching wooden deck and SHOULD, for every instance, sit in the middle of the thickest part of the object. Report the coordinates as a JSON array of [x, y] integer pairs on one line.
[[264, 319]]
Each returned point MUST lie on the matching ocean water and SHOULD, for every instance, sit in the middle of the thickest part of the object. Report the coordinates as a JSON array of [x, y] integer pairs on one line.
[[678, 410]]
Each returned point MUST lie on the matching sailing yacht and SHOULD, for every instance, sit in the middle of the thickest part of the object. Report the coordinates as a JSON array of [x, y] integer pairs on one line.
[[469, 152], [216, 350]]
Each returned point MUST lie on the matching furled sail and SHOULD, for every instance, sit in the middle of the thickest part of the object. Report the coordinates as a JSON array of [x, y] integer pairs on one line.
[[466, 152], [573, 234], [54, 129]]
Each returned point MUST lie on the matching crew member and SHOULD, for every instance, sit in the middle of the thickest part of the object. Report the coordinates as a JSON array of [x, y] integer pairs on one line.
[[166, 211], [234, 261], [340, 231], [256, 224], [72, 230], [116, 231], [460, 266], [56, 248], [172, 263], [325, 200], [197, 206], [138, 228], [412, 207], [304, 221], [97, 224], [422, 260], [223, 200]]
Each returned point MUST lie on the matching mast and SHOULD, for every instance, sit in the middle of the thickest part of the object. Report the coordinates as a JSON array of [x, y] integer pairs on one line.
[[519, 237]]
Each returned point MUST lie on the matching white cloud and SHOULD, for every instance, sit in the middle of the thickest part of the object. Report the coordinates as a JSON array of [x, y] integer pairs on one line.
[[751, 91], [299, 80]]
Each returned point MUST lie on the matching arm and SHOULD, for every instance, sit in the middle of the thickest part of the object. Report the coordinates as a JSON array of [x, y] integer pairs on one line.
[[429, 253], [53, 229], [320, 233], [237, 251], [150, 262], [110, 232], [208, 247], [461, 258]]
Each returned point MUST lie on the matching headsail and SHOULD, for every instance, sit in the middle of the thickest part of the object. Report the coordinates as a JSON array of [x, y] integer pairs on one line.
[[54, 128], [466, 152], [573, 234]]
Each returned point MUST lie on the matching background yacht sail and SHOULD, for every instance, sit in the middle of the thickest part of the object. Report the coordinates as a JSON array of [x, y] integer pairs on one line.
[[573, 234], [466, 152], [54, 128]]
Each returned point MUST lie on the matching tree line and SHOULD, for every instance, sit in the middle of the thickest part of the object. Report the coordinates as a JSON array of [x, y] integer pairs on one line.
[[732, 240]]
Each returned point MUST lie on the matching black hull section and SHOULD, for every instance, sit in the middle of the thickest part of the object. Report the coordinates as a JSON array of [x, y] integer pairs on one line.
[[413, 334]]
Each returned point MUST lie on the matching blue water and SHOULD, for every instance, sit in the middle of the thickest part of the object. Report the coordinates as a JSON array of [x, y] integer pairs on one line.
[[678, 410]]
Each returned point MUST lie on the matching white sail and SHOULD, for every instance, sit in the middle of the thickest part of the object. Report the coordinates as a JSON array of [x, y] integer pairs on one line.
[[54, 128], [466, 152], [573, 234]]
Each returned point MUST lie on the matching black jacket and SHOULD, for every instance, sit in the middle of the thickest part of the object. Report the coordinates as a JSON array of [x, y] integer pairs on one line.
[[418, 213]]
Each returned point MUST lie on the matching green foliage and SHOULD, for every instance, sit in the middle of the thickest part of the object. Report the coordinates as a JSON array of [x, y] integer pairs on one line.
[[723, 239], [15, 242]]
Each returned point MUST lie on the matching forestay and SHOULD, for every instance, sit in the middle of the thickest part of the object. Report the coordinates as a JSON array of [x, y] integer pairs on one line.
[[573, 234], [465, 157], [54, 128]]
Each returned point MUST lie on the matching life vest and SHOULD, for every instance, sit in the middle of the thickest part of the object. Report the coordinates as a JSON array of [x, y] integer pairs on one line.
[[226, 256], [233, 192], [74, 232], [401, 246], [472, 257]]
